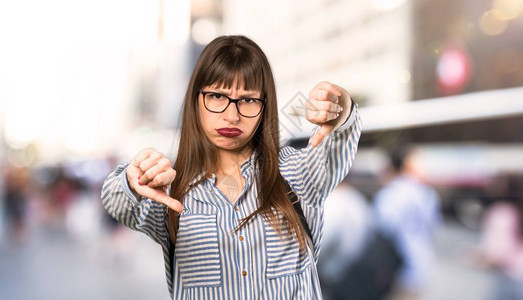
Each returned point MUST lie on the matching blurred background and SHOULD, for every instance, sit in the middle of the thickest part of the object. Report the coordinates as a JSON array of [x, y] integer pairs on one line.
[[85, 85]]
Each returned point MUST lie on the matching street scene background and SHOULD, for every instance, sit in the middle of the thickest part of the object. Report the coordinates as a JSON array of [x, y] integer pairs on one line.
[[85, 85]]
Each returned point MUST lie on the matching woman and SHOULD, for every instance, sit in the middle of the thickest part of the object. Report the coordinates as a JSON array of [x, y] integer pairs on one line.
[[222, 213]]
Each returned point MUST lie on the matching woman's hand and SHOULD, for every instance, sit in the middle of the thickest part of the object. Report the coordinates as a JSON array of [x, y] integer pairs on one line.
[[150, 174], [326, 103]]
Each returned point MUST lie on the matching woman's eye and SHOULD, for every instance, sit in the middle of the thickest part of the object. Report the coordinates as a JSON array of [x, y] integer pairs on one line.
[[216, 96], [248, 100]]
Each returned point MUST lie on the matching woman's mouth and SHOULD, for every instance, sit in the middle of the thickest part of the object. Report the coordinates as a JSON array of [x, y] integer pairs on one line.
[[229, 132]]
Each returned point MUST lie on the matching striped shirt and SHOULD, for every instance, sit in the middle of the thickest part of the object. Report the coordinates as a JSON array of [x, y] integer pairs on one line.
[[212, 260]]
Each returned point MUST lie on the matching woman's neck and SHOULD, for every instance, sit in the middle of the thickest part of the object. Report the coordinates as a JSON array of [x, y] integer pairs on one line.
[[229, 162]]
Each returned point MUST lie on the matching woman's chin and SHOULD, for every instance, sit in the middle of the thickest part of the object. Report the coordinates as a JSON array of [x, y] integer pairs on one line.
[[229, 145]]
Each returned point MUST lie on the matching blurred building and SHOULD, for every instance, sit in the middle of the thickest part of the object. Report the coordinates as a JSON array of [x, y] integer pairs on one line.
[[74, 88], [470, 46], [466, 46], [387, 51], [362, 45]]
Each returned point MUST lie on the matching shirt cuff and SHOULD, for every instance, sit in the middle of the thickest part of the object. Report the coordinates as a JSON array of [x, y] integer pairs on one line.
[[127, 189], [350, 119]]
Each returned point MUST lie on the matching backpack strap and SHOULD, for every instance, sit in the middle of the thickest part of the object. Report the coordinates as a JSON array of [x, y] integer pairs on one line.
[[293, 197]]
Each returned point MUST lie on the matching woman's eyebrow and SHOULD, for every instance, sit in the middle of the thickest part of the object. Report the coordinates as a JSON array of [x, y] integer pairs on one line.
[[250, 95], [246, 94]]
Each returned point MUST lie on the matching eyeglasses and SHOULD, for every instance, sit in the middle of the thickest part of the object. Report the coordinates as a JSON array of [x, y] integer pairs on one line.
[[218, 103]]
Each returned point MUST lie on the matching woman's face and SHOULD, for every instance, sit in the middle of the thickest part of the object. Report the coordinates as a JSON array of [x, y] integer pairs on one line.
[[228, 130]]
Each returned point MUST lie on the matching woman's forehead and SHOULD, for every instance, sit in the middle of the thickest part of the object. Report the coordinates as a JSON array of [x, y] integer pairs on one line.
[[238, 82], [233, 87]]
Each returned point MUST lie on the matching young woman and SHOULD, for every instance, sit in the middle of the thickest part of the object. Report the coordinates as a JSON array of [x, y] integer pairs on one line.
[[222, 213]]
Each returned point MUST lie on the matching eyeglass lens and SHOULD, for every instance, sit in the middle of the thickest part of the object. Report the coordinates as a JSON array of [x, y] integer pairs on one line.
[[248, 107]]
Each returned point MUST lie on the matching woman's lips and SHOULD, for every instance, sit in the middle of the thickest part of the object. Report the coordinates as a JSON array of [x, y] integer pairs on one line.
[[229, 132]]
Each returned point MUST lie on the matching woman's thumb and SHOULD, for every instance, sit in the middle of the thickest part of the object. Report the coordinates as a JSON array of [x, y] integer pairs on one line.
[[317, 138]]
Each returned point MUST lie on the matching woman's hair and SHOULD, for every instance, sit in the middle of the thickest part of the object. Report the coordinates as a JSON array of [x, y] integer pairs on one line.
[[223, 61]]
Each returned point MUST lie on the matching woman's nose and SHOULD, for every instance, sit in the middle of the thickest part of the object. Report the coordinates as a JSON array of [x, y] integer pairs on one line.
[[231, 113]]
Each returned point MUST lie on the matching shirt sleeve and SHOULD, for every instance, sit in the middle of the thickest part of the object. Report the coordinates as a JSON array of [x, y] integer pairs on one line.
[[146, 216], [313, 172]]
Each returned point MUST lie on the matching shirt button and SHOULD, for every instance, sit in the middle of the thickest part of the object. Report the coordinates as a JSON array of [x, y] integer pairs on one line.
[[241, 238], [236, 208], [244, 273]]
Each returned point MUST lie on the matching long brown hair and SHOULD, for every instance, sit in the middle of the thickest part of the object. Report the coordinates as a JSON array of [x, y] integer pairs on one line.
[[224, 60]]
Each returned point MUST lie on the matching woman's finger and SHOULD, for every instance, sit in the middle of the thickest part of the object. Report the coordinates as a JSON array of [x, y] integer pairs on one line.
[[323, 95], [324, 131], [319, 116], [172, 203], [152, 168], [153, 159], [159, 194], [143, 155], [313, 104], [332, 88], [163, 179]]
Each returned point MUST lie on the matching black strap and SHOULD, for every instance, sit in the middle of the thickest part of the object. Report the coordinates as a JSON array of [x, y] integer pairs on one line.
[[297, 207]]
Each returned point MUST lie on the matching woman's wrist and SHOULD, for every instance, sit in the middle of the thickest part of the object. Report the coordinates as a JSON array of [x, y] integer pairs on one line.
[[348, 105]]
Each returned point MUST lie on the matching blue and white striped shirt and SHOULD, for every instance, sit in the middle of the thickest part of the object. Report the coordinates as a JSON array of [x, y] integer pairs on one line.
[[212, 260]]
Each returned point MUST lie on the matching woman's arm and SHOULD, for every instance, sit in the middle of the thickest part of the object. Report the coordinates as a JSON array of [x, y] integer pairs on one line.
[[135, 194], [121, 203], [315, 170]]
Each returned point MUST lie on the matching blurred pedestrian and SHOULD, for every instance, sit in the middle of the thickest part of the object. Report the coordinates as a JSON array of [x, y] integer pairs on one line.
[[348, 222], [227, 227], [502, 237], [407, 210], [16, 203], [63, 192]]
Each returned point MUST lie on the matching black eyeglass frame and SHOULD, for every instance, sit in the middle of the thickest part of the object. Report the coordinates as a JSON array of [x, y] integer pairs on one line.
[[235, 101]]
